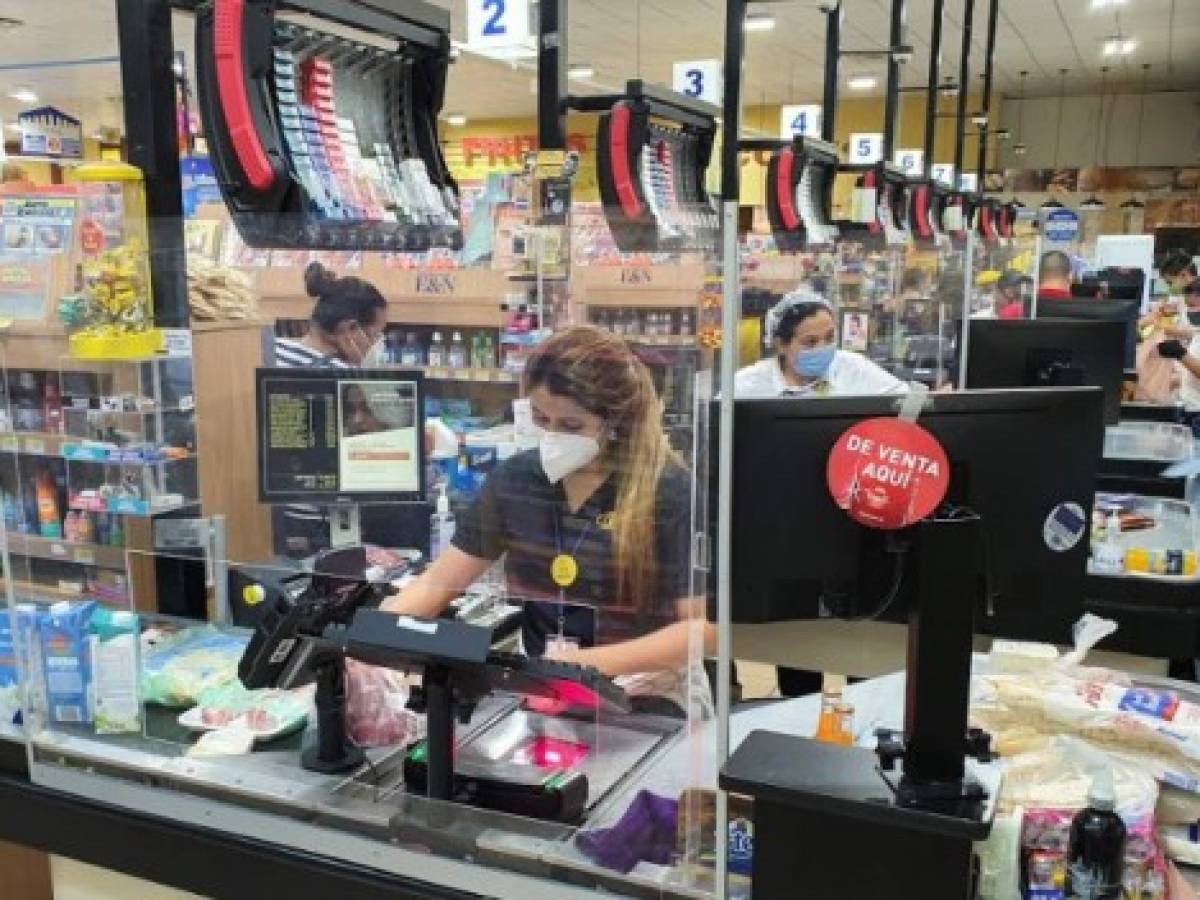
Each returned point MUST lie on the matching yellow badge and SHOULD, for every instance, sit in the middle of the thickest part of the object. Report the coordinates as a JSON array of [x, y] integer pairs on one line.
[[564, 570], [605, 521]]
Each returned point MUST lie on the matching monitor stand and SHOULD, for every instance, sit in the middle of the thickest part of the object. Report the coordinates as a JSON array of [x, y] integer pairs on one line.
[[345, 525], [816, 805]]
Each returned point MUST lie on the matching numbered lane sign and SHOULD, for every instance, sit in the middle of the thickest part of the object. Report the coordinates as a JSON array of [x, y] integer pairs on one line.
[[944, 173], [804, 120], [911, 161], [498, 24], [699, 79], [865, 148]]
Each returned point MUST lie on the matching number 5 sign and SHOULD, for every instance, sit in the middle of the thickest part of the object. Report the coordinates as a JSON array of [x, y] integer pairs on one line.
[[699, 79], [497, 24], [866, 148], [800, 120]]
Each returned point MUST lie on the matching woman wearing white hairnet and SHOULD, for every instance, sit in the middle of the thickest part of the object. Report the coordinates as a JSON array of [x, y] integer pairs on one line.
[[807, 362]]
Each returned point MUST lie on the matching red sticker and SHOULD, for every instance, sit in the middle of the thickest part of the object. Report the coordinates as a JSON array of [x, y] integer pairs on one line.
[[887, 473], [91, 238]]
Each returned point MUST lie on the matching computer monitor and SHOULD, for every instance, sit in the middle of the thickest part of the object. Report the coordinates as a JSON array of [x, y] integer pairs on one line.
[[1024, 460], [340, 436], [1048, 353], [1112, 310]]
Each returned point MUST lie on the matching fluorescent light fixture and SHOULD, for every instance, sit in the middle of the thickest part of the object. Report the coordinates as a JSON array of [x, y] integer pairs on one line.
[[8, 23], [759, 22], [1051, 203], [24, 95], [1020, 149], [862, 82], [1092, 204], [948, 89], [1003, 134], [455, 120], [581, 70], [1107, 4], [1119, 46]]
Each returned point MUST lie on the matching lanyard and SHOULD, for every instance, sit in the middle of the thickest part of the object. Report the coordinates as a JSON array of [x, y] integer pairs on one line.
[[564, 568]]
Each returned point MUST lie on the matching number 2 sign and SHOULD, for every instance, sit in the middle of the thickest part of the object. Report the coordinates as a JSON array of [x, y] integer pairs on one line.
[[497, 24], [699, 79]]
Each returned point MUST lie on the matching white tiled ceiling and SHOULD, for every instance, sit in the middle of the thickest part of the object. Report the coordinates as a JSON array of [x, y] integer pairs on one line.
[[631, 38]]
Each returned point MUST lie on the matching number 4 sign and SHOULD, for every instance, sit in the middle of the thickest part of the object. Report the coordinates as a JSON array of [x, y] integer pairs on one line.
[[800, 120], [699, 79], [497, 24]]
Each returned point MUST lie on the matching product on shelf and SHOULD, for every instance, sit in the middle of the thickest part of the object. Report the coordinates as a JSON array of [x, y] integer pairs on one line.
[[216, 293], [437, 352], [48, 517], [28, 412], [411, 353], [456, 357]]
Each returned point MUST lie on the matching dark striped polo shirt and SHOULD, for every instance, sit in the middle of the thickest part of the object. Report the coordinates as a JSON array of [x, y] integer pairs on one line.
[[521, 514]]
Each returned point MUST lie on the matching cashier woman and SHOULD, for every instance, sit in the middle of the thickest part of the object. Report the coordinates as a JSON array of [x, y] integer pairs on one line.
[[594, 524], [807, 362]]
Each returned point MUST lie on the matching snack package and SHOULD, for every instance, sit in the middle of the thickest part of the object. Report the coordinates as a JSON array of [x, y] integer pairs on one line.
[[265, 713], [66, 661], [1045, 837], [376, 713], [177, 670]]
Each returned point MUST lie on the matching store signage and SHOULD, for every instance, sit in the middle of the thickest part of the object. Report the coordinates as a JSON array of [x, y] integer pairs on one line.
[[1062, 226], [636, 276], [944, 174], [803, 120], [510, 151], [700, 79], [865, 148], [437, 285], [969, 182], [499, 25], [887, 473], [47, 131], [911, 161]]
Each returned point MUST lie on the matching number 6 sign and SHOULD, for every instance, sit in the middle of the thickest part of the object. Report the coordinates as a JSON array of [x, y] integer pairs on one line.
[[699, 79], [497, 24]]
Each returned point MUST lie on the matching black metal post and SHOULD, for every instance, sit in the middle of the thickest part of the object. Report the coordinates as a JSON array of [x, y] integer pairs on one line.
[[931, 89], [148, 84], [439, 723], [988, 64], [964, 85], [833, 62], [552, 74], [892, 98], [731, 119]]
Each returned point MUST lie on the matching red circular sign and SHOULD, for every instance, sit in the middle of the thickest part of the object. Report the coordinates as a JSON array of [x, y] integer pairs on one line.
[[887, 473], [91, 238]]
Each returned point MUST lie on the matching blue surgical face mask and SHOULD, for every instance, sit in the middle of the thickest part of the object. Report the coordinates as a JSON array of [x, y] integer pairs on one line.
[[815, 363]]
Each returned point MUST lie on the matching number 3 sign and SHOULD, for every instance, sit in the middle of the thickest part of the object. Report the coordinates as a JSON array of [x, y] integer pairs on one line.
[[699, 79], [497, 24]]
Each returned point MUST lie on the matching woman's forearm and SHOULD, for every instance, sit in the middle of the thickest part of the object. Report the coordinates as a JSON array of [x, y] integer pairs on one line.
[[451, 574], [669, 647]]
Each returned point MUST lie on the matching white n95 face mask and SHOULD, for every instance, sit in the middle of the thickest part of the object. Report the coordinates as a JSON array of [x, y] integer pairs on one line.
[[376, 356], [563, 454]]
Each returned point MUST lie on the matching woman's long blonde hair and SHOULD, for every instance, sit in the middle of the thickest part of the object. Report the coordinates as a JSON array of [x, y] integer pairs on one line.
[[602, 374]]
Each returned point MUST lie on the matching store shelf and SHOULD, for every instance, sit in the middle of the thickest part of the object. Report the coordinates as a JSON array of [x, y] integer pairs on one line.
[[50, 445], [32, 590], [661, 340], [484, 376], [34, 546]]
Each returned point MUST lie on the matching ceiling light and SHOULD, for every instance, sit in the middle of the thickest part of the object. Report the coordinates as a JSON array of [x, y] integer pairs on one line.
[[581, 70], [1133, 203], [1020, 149], [24, 95], [1092, 204], [948, 89], [1107, 4], [455, 120], [1051, 203], [759, 22], [1119, 46], [1003, 134], [8, 23], [861, 82], [979, 120]]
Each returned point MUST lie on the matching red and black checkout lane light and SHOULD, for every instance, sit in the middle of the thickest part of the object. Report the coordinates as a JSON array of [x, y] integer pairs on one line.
[[800, 179], [323, 142], [986, 220], [881, 207], [652, 152], [927, 203]]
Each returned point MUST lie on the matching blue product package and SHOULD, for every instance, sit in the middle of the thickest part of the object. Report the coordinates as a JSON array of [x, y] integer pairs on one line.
[[64, 645]]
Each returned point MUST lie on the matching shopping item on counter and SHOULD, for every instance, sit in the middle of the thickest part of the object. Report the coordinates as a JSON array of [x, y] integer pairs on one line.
[[267, 714], [62, 630], [113, 641], [646, 832], [178, 669], [376, 707], [1059, 776], [232, 741], [10, 670]]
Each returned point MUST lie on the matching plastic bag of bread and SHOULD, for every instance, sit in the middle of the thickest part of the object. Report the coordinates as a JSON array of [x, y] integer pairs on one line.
[[376, 707]]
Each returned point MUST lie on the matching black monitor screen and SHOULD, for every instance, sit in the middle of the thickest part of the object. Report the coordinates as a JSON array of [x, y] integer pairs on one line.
[[1126, 311], [331, 434]]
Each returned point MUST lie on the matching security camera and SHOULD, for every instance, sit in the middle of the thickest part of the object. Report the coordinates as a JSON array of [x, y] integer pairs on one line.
[[828, 6], [903, 54], [979, 120]]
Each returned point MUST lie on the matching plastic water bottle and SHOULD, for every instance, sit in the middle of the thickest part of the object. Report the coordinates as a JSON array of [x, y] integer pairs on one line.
[[458, 352], [437, 351], [441, 526]]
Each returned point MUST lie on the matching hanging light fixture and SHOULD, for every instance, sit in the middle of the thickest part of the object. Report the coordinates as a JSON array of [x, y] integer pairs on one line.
[[1051, 203], [1094, 203], [1019, 147], [1133, 203]]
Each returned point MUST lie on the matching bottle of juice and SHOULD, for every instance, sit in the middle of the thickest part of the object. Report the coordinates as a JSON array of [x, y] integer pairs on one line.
[[829, 725]]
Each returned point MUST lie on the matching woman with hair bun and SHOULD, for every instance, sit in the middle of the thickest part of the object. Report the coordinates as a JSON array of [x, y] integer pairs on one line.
[[594, 525], [346, 325]]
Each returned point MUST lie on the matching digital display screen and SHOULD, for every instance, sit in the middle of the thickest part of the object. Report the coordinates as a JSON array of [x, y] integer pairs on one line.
[[338, 433]]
